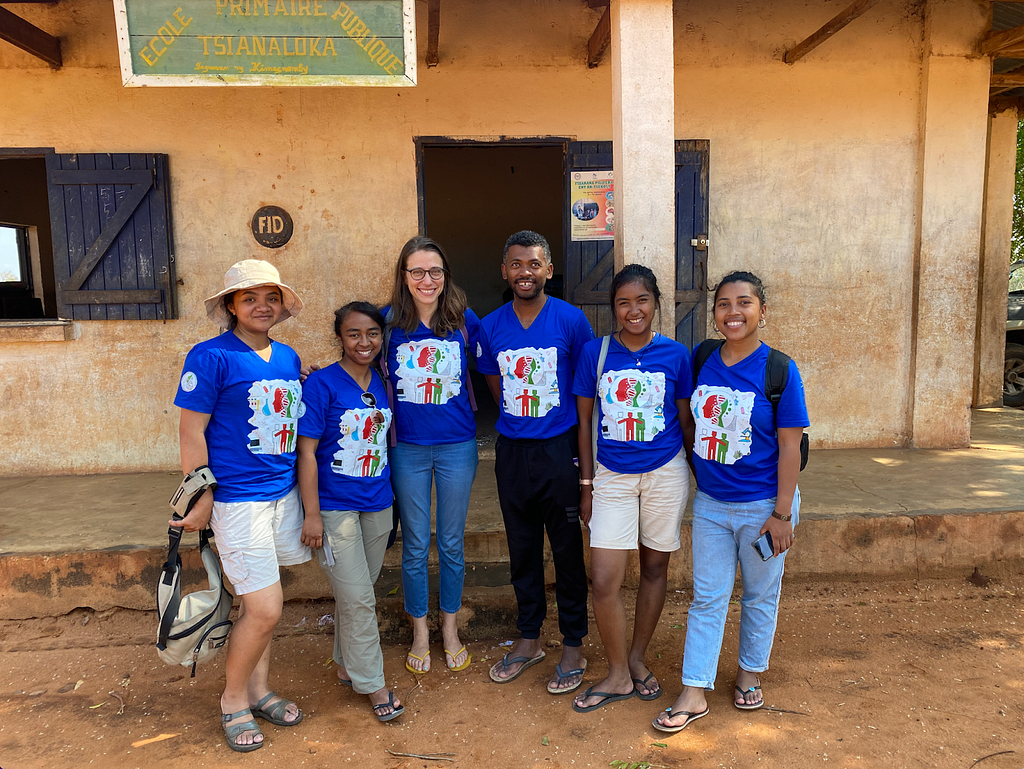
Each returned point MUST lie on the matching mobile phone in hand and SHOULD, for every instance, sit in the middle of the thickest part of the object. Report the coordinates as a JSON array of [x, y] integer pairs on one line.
[[325, 554], [764, 547]]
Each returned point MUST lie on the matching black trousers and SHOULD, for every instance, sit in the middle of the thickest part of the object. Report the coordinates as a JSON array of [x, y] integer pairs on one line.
[[538, 488]]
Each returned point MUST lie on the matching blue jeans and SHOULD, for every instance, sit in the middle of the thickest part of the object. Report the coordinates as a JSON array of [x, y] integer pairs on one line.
[[451, 467], [722, 535]]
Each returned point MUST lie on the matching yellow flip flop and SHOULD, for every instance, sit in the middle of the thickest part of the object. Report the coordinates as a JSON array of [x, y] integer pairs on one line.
[[455, 656], [413, 670]]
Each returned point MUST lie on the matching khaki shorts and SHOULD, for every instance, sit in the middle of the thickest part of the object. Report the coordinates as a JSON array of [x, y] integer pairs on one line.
[[255, 538], [640, 507]]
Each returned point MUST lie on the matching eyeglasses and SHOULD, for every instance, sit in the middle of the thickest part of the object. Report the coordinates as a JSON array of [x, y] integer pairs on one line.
[[418, 273]]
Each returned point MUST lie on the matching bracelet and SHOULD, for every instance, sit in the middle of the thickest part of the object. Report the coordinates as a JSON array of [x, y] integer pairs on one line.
[[586, 482], [776, 514]]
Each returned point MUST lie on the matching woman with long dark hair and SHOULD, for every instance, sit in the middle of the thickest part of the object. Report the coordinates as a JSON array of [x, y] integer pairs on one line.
[[746, 458], [240, 400], [633, 496], [432, 332], [345, 482]]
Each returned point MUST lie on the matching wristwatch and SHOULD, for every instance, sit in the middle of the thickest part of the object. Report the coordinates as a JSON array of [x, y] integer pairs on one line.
[[777, 514]]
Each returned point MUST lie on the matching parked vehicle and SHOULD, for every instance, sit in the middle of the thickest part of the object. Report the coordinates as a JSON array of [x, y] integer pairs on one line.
[[1013, 371]]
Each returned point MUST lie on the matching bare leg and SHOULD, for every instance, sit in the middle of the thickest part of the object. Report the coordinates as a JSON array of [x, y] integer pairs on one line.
[[650, 600], [420, 645], [609, 569], [248, 650], [450, 637]]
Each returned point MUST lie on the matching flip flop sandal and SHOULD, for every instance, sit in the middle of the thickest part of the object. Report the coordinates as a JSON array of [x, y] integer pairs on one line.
[[455, 656], [650, 695], [276, 712], [506, 662], [232, 730], [562, 676], [690, 717], [744, 692], [413, 670], [345, 682], [395, 712], [609, 697]]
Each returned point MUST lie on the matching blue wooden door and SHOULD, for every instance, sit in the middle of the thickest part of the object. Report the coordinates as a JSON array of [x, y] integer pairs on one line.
[[589, 265]]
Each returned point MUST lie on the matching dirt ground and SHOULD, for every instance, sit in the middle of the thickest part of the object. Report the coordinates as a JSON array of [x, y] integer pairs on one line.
[[925, 674]]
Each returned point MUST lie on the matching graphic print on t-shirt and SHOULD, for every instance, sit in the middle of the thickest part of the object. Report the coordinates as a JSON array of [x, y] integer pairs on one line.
[[632, 405], [364, 448], [429, 371], [723, 423], [529, 381], [276, 407]]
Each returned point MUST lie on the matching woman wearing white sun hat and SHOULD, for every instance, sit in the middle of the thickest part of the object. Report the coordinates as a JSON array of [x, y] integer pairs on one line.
[[240, 400]]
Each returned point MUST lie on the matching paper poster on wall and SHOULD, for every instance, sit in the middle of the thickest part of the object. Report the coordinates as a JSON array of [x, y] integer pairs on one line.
[[592, 205]]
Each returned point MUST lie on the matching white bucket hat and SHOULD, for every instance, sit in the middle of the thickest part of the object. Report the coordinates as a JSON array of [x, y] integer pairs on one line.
[[250, 273]]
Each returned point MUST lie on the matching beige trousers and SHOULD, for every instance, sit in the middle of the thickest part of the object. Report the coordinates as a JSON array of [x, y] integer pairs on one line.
[[358, 541]]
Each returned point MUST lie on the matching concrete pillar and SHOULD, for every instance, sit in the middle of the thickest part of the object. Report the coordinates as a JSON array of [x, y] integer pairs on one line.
[[643, 129], [953, 134], [997, 229]]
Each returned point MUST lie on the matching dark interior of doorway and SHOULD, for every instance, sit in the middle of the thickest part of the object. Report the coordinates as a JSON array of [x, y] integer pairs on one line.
[[24, 205], [474, 196]]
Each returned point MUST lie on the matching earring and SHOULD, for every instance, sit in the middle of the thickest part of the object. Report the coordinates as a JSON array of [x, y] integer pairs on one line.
[[761, 323]]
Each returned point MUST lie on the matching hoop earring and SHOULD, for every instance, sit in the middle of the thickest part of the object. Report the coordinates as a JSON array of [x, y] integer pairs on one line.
[[761, 323]]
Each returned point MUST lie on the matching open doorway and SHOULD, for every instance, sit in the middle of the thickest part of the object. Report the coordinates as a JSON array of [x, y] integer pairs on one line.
[[473, 196]]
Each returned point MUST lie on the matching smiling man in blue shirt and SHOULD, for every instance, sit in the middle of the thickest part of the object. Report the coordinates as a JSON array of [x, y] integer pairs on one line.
[[530, 347]]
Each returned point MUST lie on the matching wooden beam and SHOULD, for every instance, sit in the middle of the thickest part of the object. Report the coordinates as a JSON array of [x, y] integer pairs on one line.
[[1008, 80], [859, 8], [29, 38], [604, 3], [994, 42], [599, 41], [433, 30]]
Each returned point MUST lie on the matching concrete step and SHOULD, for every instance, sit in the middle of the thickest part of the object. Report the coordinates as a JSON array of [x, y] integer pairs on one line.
[[100, 541]]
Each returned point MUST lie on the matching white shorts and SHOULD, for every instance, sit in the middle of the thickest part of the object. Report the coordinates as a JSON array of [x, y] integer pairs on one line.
[[255, 538], [645, 507]]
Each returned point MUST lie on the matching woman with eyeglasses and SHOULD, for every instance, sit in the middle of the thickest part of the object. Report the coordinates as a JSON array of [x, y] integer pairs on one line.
[[345, 483], [431, 333]]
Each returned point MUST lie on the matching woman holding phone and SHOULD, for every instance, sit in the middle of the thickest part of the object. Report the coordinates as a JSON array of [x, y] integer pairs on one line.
[[345, 482], [431, 334], [640, 481], [746, 458], [240, 400]]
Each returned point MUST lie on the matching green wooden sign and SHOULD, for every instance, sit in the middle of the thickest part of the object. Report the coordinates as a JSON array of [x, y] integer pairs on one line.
[[267, 42]]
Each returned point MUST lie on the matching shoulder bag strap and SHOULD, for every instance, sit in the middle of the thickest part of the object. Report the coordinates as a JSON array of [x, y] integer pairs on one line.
[[388, 319], [595, 414], [701, 353], [469, 379]]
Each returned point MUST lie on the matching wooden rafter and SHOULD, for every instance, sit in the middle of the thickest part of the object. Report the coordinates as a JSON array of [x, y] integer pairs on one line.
[[599, 41], [1013, 79], [433, 30], [604, 3], [29, 38], [998, 42], [801, 49]]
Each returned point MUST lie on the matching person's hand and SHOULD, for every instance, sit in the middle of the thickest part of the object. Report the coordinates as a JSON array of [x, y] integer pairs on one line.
[[782, 534], [313, 532], [305, 371], [586, 504], [198, 517]]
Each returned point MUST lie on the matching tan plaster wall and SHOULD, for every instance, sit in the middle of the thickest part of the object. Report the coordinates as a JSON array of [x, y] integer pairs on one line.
[[813, 172]]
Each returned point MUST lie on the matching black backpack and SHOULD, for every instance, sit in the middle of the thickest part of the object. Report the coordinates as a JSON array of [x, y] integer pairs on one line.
[[776, 377]]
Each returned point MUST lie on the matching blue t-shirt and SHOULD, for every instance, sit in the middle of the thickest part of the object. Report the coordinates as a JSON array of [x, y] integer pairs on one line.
[[639, 427], [429, 376], [535, 366], [735, 448], [254, 406], [352, 456]]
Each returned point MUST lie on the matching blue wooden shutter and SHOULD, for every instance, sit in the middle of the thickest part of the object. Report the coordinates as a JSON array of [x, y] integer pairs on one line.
[[590, 265], [691, 225], [113, 253]]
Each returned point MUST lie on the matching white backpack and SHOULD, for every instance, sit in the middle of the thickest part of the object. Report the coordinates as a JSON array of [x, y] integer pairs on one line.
[[192, 629]]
